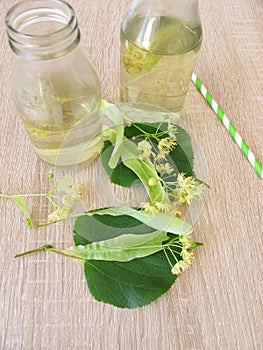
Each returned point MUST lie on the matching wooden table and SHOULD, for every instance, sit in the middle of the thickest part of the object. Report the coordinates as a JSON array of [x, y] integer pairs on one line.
[[217, 304]]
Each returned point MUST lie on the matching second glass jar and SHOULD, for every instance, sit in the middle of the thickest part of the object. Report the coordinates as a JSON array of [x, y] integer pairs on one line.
[[160, 41]]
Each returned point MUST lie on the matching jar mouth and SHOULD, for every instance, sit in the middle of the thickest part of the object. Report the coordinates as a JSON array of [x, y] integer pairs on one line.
[[34, 25]]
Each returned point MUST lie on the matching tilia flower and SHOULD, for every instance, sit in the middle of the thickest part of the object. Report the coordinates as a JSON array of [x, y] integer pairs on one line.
[[164, 168], [69, 192], [186, 254], [146, 149], [167, 144], [137, 61], [60, 214], [180, 267], [187, 189]]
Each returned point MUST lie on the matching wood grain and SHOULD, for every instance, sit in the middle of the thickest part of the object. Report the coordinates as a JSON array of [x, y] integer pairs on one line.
[[217, 304]]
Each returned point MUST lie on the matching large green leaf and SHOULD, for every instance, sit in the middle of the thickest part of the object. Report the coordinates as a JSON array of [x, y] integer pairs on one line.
[[129, 284]]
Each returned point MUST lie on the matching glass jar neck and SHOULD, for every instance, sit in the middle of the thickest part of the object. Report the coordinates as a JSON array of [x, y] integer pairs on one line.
[[43, 29], [185, 10]]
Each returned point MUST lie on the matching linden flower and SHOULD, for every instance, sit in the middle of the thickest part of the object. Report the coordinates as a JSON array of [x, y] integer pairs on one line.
[[180, 267], [172, 131], [71, 191], [160, 157], [167, 208], [68, 192], [167, 144], [187, 256], [186, 242], [160, 207], [144, 145], [137, 62], [163, 207], [187, 189], [146, 149], [60, 214], [165, 168], [73, 194], [149, 207]]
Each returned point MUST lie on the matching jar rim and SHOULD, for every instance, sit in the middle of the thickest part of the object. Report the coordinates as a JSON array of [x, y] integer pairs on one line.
[[42, 29], [27, 35]]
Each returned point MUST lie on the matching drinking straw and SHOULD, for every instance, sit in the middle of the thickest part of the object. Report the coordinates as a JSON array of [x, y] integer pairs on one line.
[[229, 126]]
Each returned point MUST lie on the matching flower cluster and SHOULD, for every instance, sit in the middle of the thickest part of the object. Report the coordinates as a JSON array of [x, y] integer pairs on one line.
[[137, 61], [187, 255], [68, 192], [157, 154], [167, 144], [146, 148], [61, 195], [187, 189], [160, 207], [181, 189]]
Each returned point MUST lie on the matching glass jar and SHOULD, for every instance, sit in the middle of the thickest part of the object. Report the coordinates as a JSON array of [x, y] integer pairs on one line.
[[160, 41], [54, 86]]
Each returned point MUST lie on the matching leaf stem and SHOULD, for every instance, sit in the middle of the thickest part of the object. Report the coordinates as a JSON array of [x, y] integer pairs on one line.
[[23, 195], [44, 247], [59, 252]]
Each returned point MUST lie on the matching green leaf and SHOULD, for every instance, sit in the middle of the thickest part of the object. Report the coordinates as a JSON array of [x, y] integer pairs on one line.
[[159, 221], [23, 205], [121, 175], [129, 284], [183, 155], [122, 248], [124, 176]]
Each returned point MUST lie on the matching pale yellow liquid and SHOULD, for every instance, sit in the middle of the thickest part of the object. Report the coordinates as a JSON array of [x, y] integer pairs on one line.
[[158, 56], [65, 125], [67, 146]]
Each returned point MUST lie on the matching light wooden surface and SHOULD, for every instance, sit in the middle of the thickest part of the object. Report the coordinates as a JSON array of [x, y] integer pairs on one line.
[[217, 304]]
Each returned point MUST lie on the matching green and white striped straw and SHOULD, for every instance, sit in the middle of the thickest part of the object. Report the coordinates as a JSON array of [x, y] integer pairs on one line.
[[229, 126]]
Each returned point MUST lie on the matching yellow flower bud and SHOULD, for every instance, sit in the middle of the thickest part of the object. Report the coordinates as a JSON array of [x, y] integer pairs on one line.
[[152, 182]]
